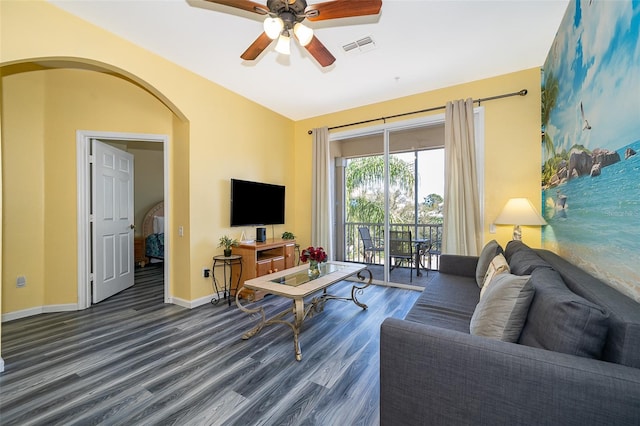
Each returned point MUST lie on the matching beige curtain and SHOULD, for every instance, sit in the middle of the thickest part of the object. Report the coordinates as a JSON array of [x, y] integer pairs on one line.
[[321, 195], [461, 232]]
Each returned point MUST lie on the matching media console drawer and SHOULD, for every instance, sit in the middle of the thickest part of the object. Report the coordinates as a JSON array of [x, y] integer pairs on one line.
[[269, 265], [260, 259]]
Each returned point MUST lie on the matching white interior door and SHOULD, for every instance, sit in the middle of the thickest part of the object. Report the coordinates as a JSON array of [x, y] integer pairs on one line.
[[112, 202]]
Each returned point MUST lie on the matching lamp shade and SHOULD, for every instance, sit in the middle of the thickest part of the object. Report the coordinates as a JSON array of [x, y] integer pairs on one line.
[[519, 211]]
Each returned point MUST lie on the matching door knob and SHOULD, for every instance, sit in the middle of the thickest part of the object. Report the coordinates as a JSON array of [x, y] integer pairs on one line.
[[132, 226]]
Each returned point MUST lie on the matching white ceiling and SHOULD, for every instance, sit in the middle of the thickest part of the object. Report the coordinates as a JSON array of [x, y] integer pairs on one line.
[[420, 46]]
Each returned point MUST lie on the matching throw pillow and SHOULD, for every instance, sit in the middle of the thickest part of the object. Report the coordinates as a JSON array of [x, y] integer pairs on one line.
[[502, 312], [497, 266], [561, 321], [489, 251]]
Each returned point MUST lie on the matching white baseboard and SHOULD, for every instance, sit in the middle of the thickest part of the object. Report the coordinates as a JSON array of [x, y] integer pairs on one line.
[[190, 304], [60, 308], [21, 314], [180, 302], [39, 310]]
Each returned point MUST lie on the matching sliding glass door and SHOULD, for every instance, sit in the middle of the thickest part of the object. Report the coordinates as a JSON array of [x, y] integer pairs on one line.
[[392, 188], [415, 199]]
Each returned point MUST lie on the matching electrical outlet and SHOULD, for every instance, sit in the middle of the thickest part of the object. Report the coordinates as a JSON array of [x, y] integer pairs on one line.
[[21, 281], [206, 272], [492, 228]]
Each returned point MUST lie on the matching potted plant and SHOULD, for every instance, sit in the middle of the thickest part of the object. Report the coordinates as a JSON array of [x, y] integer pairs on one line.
[[227, 243], [288, 236]]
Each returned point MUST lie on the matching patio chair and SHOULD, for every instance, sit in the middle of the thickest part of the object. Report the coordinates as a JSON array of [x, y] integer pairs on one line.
[[369, 249], [433, 254], [401, 250]]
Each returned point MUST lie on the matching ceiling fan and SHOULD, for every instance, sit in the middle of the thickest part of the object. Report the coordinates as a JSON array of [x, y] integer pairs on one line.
[[285, 17]]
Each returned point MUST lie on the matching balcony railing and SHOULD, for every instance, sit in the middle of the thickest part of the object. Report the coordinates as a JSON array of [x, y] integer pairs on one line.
[[354, 249]]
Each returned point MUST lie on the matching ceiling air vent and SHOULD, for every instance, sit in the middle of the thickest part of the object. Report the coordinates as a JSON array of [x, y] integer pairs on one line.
[[361, 45]]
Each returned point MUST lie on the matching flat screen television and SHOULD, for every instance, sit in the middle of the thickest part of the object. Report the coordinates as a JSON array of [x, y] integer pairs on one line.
[[256, 203]]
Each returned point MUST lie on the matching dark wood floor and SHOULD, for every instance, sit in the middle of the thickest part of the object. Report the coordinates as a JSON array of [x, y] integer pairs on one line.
[[133, 360], [402, 275]]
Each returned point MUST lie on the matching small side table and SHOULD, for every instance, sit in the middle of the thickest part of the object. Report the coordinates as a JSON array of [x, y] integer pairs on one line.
[[138, 250], [225, 262]]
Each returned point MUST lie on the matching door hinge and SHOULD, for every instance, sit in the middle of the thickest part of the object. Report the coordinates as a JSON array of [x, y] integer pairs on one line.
[[92, 158], [91, 277], [91, 218]]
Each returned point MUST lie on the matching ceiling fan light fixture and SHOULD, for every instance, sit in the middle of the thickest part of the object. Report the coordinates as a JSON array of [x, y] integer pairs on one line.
[[273, 27], [303, 33], [284, 46], [281, 16]]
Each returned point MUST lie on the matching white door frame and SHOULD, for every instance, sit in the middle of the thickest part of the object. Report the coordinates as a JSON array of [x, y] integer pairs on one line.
[[83, 141]]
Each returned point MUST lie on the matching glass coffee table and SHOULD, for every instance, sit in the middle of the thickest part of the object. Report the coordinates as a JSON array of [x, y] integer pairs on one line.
[[296, 284]]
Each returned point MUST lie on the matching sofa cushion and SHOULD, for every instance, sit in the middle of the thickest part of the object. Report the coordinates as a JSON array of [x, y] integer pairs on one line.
[[561, 321], [502, 310], [522, 259], [455, 264], [623, 337], [512, 247], [489, 251], [497, 266], [447, 301]]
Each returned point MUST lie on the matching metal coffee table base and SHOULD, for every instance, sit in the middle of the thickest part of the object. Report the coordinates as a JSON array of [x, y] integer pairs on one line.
[[300, 312]]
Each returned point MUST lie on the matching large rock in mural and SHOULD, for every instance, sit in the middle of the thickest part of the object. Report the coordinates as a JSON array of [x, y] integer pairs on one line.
[[604, 157], [560, 175], [581, 163], [630, 152]]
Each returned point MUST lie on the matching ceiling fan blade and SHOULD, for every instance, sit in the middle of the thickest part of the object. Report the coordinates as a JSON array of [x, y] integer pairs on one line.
[[247, 5], [256, 48], [342, 9], [319, 52]]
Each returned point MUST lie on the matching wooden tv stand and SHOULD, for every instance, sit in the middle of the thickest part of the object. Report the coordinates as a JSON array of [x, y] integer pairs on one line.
[[260, 259]]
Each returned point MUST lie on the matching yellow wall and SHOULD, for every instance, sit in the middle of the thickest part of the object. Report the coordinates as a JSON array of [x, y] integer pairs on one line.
[[215, 134], [43, 110], [512, 144], [179, 215], [24, 213]]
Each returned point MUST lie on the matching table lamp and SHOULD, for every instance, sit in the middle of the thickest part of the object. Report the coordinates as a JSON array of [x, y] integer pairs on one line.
[[519, 211]]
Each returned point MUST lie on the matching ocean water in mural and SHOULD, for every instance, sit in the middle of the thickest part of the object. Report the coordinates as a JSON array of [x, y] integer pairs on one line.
[[591, 128], [595, 221]]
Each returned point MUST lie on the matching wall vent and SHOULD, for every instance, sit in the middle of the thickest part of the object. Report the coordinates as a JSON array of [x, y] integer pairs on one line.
[[363, 44]]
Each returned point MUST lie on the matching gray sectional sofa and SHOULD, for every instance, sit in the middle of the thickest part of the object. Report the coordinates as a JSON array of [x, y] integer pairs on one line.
[[576, 360]]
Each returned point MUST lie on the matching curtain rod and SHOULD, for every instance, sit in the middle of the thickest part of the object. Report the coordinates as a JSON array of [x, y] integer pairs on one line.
[[522, 92]]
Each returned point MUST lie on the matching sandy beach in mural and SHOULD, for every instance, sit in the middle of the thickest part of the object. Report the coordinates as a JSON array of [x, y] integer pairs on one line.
[[594, 221]]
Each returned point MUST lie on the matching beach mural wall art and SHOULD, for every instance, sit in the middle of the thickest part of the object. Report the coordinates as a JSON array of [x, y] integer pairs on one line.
[[591, 141]]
